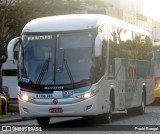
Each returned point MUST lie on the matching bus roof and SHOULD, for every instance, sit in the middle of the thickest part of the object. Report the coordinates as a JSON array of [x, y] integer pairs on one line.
[[75, 22]]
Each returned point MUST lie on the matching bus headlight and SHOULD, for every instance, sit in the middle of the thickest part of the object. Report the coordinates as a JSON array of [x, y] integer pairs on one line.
[[25, 97], [88, 95]]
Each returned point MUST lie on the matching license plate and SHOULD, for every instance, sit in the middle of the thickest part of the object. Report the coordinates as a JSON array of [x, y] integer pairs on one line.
[[55, 110]]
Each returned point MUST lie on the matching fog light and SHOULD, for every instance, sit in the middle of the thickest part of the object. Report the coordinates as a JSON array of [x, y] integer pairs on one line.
[[25, 109], [88, 107]]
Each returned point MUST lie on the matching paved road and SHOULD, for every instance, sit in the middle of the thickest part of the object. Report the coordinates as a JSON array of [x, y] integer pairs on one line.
[[88, 125]]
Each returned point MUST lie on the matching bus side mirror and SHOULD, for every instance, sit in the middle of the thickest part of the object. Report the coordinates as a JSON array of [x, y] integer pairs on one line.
[[98, 45], [10, 48]]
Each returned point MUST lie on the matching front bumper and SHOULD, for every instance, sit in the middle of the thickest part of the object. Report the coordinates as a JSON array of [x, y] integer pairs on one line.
[[86, 107]]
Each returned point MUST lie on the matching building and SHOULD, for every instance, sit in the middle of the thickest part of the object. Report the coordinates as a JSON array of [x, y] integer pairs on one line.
[[130, 11], [135, 6], [156, 31]]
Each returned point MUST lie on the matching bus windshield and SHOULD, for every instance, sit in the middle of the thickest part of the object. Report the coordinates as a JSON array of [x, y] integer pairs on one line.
[[56, 59]]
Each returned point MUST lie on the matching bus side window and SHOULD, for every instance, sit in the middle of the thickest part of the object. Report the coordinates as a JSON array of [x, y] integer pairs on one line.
[[104, 53], [16, 51], [102, 59], [112, 51]]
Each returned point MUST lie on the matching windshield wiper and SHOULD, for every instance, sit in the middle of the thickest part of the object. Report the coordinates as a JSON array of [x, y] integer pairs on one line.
[[59, 64], [43, 70], [68, 71]]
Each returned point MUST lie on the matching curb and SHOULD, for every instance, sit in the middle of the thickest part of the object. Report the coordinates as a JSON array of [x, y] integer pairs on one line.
[[12, 117]]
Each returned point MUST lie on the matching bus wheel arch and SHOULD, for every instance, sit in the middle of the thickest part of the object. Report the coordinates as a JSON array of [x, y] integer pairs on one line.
[[144, 91], [107, 117], [141, 108], [111, 105], [112, 98], [144, 97]]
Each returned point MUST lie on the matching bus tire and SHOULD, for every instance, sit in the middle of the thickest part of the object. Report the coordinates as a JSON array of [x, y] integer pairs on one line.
[[43, 121], [109, 114], [141, 108], [106, 117]]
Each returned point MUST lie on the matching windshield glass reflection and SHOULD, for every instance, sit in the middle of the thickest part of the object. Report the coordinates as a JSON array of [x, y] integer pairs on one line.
[[57, 60]]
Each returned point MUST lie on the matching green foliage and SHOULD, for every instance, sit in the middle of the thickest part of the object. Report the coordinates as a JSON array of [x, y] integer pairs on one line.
[[98, 3], [1, 51], [13, 109], [3, 54], [21, 12]]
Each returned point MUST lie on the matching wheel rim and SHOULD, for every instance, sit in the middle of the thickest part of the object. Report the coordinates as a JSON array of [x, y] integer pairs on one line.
[[109, 115]]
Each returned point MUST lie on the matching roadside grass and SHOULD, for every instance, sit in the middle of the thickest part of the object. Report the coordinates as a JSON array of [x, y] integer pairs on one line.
[[13, 109]]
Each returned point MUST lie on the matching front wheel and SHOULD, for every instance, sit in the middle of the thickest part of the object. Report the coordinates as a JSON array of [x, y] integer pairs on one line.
[[43, 121], [109, 114]]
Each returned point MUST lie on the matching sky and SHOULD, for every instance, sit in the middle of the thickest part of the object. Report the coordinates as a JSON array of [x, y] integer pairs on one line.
[[152, 9]]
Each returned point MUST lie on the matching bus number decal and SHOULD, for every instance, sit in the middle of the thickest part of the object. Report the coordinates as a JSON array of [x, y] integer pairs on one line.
[[131, 74], [68, 93], [40, 96]]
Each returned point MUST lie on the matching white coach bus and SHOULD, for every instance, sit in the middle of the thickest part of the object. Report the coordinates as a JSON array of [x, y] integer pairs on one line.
[[83, 65], [9, 78]]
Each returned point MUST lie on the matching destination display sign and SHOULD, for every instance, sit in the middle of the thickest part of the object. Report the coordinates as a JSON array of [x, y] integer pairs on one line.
[[40, 37]]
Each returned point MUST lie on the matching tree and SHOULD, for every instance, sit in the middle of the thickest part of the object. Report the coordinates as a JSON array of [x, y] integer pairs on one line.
[[4, 32], [97, 3], [14, 14]]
